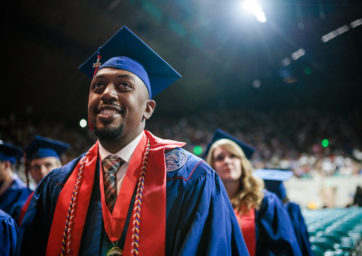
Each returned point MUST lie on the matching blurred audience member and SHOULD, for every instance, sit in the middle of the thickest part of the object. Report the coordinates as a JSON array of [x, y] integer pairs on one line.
[[273, 180], [264, 221], [8, 234], [12, 189]]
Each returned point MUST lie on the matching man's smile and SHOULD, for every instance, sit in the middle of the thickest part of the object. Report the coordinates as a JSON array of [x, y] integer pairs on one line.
[[108, 112]]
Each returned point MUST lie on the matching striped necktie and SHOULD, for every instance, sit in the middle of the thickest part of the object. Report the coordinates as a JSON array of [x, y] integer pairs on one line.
[[111, 165]]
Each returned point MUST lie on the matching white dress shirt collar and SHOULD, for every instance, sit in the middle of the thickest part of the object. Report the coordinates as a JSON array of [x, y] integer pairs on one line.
[[125, 153]]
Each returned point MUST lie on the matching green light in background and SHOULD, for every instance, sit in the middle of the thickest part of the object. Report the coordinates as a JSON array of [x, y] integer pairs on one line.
[[307, 71], [197, 150], [325, 143]]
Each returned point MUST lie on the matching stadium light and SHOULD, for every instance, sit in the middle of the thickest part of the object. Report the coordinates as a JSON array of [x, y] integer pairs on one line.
[[254, 8], [297, 54], [325, 143], [286, 62], [83, 123], [356, 23], [197, 150], [256, 83]]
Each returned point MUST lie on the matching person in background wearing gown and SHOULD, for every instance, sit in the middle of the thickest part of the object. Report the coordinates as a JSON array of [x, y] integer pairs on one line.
[[12, 189], [264, 222], [43, 155], [132, 193], [8, 234], [273, 180]]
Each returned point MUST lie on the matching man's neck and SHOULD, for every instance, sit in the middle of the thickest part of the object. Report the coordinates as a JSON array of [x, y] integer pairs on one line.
[[116, 145]]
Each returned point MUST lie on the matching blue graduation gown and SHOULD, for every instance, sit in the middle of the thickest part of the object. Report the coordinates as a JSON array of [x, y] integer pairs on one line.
[[8, 234], [300, 229], [14, 196], [199, 217], [274, 230]]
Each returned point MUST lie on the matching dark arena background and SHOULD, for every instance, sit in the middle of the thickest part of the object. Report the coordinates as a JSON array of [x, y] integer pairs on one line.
[[286, 80]]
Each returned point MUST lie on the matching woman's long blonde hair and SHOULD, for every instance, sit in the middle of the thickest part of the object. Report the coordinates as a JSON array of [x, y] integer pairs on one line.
[[250, 193]]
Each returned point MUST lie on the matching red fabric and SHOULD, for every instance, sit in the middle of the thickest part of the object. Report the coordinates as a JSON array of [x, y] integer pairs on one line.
[[247, 225], [114, 222], [25, 207], [153, 211], [54, 245]]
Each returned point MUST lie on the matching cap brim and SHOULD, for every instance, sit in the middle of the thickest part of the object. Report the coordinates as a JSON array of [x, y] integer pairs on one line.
[[273, 174]]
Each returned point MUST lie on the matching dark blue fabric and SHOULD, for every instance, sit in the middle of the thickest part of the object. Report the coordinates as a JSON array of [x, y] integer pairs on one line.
[[41, 147], [125, 43], [9, 152], [4, 157], [276, 187], [300, 229], [199, 218], [132, 66], [15, 195], [274, 230], [8, 234], [220, 134], [45, 152]]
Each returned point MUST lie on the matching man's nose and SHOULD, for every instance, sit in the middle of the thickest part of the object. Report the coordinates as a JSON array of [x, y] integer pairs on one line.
[[44, 170], [110, 92]]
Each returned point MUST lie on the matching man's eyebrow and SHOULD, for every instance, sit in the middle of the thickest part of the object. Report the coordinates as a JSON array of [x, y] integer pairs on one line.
[[126, 76], [118, 76]]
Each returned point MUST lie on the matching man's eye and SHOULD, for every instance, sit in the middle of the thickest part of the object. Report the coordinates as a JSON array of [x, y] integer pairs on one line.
[[48, 165], [35, 167], [125, 84], [97, 85]]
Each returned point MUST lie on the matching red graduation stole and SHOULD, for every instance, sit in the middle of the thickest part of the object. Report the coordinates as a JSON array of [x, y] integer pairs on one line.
[[24, 208], [152, 229], [247, 223]]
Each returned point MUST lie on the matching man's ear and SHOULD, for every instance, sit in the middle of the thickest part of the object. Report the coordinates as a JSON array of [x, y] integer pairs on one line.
[[7, 164], [150, 107]]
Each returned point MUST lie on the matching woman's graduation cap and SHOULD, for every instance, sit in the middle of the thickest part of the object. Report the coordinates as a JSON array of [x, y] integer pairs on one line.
[[273, 180], [125, 50], [220, 134], [9, 152]]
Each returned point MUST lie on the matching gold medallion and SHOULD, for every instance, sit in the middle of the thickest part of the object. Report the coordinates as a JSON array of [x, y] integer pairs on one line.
[[115, 251]]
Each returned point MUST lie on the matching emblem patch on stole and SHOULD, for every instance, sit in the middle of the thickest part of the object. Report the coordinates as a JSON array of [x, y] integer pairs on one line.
[[174, 160]]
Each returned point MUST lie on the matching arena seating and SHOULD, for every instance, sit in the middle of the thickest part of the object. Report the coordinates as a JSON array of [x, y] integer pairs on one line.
[[335, 231]]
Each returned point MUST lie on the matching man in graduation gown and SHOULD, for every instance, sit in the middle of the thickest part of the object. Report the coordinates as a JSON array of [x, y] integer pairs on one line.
[[8, 234], [273, 180], [43, 155], [12, 189], [132, 192]]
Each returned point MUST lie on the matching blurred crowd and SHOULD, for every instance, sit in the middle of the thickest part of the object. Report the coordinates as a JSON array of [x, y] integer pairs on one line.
[[286, 139]]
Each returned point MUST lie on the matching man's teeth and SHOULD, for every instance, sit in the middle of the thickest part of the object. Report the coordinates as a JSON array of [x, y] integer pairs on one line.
[[108, 112]]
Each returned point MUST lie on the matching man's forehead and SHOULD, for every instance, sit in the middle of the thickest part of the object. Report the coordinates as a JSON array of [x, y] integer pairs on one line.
[[105, 72]]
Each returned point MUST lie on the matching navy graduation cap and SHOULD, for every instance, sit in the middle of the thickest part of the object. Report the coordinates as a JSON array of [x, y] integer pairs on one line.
[[41, 147], [125, 50], [273, 180], [220, 134], [9, 152]]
